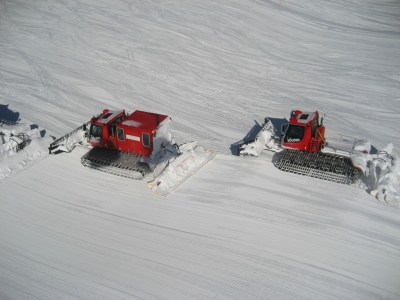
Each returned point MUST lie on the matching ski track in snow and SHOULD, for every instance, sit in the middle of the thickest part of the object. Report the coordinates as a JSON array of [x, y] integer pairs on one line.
[[239, 228], [224, 64]]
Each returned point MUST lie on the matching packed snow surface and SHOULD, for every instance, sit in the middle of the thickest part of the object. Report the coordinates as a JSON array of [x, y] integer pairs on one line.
[[238, 228]]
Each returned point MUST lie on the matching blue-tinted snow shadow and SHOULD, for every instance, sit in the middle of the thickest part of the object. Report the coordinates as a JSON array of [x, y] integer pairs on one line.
[[42, 132], [255, 130], [13, 117], [8, 114], [373, 150]]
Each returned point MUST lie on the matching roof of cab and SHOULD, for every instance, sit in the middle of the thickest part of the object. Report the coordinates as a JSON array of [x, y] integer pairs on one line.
[[107, 116], [144, 120], [302, 117]]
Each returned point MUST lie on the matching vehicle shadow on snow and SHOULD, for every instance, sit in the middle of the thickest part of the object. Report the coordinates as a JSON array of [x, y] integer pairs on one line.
[[12, 116], [373, 150], [42, 132], [251, 135], [8, 114]]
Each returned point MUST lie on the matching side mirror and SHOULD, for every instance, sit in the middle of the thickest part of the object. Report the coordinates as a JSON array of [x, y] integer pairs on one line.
[[283, 129]]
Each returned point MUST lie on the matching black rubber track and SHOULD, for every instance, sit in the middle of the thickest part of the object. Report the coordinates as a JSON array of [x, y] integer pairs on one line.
[[116, 162], [319, 165]]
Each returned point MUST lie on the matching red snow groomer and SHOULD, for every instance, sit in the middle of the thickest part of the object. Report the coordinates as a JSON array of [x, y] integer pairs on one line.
[[303, 132], [138, 146], [119, 141], [306, 151], [139, 133]]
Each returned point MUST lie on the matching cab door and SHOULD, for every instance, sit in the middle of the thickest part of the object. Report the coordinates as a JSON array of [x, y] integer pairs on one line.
[[111, 136], [112, 140]]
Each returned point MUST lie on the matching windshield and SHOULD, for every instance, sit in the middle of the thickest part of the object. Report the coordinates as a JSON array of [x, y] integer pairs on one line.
[[294, 133], [96, 131]]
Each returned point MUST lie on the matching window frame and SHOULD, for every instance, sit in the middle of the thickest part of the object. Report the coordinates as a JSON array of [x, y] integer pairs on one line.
[[119, 132], [144, 139], [96, 134], [289, 137]]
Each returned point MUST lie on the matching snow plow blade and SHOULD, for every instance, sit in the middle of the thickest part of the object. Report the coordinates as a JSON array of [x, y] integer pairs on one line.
[[70, 140], [264, 140], [384, 176]]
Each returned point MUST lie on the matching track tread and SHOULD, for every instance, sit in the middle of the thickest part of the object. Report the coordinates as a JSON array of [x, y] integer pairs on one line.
[[118, 163], [319, 165]]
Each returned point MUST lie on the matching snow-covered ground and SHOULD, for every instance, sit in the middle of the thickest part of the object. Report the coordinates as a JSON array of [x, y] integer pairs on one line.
[[239, 228]]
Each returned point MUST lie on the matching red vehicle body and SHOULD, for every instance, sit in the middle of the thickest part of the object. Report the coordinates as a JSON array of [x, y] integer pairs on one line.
[[305, 132], [140, 133]]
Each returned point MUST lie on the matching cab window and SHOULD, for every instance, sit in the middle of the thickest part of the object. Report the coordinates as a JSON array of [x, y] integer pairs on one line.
[[120, 134], [294, 133], [96, 131], [146, 139]]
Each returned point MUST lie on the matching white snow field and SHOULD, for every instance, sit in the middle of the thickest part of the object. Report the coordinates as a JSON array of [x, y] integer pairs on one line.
[[239, 228]]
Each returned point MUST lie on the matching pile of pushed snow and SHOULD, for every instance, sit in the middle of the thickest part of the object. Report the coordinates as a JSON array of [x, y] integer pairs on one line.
[[20, 147], [265, 139], [174, 169], [254, 148], [384, 176]]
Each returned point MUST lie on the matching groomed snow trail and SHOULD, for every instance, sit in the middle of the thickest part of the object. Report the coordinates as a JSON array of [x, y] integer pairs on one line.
[[239, 228], [252, 236]]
